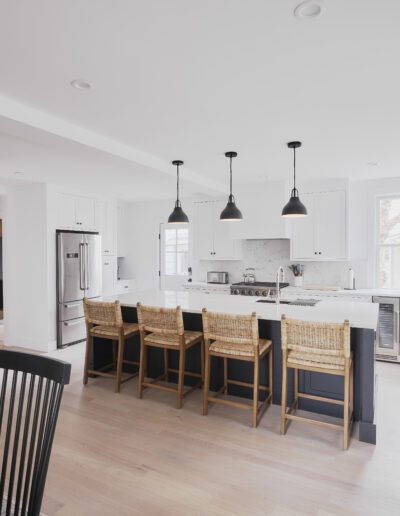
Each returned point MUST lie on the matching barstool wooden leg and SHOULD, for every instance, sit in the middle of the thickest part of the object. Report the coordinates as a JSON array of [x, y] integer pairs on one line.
[[181, 376], [206, 385], [271, 375], [346, 406], [87, 354], [120, 358], [284, 392], [256, 380], [166, 364], [114, 344], [225, 375], [142, 367], [202, 361], [296, 387]]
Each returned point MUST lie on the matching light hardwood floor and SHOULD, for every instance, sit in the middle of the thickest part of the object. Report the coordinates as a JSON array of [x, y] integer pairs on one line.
[[117, 455]]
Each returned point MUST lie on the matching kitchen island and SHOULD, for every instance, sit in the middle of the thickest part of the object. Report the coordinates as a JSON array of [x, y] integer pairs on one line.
[[362, 317]]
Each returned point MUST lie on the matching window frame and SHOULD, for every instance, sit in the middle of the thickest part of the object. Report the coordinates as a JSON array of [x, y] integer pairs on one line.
[[378, 245]]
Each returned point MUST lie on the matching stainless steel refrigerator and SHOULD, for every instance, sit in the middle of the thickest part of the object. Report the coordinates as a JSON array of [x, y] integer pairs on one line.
[[78, 275]]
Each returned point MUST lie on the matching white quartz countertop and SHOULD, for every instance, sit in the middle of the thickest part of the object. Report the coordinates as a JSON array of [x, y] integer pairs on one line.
[[388, 292], [360, 315]]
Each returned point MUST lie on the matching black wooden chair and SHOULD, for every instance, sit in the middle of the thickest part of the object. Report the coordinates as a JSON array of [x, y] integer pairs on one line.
[[30, 398]]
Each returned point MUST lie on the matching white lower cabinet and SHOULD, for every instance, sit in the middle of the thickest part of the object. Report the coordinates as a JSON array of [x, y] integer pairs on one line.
[[212, 238], [109, 275], [125, 286]]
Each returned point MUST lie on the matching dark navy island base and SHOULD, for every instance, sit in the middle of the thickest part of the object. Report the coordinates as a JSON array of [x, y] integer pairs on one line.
[[318, 384]]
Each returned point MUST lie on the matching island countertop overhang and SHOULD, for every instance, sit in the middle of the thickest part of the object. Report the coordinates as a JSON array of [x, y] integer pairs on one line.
[[360, 315]]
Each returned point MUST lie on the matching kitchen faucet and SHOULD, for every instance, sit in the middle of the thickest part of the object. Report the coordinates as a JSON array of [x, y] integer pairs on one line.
[[280, 277]]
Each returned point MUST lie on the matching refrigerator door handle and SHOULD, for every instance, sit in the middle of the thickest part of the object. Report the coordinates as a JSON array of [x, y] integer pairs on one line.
[[72, 305], [81, 266], [73, 323], [87, 284], [396, 327]]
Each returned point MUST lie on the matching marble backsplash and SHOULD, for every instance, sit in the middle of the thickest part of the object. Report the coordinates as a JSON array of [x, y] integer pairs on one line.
[[266, 256]]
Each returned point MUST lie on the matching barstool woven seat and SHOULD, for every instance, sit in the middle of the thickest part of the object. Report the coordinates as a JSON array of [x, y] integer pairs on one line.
[[104, 320], [322, 348], [236, 337], [163, 328]]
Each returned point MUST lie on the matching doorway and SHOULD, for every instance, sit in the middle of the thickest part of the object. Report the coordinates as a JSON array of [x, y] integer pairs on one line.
[[174, 255]]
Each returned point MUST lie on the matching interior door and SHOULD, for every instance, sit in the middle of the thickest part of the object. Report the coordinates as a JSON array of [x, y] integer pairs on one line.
[[71, 253], [174, 255], [303, 242]]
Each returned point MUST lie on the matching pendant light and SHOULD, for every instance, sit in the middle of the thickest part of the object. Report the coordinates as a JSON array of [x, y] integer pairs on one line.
[[178, 216], [231, 211], [294, 208]]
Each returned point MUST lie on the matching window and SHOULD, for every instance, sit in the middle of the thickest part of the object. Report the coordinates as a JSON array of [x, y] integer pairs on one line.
[[388, 242], [176, 251]]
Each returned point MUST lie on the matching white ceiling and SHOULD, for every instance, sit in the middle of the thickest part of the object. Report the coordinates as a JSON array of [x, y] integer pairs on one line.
[[191, 79]]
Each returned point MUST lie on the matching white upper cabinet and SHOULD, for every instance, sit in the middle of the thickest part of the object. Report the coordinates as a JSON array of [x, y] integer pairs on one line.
[[108, 227], [261, 205], [212, 238], [76, 212], [322, 235]]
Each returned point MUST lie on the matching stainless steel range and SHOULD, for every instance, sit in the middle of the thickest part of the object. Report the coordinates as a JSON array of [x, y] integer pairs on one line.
[[258, 288]]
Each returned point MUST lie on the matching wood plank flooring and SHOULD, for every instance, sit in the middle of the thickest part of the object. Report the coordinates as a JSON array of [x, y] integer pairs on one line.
[[117, 455]]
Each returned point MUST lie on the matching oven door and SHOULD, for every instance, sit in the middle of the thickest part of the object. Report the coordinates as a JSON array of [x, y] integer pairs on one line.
[[387, 335]]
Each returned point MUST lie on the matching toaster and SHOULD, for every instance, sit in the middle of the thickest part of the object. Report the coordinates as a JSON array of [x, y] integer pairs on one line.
[[217, 277]]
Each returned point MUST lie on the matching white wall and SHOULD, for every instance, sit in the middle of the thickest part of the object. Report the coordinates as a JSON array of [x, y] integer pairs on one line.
[[26, 268]]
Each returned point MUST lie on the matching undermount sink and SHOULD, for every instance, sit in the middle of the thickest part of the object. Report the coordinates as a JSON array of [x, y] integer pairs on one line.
[[298, 302], [282, 301]]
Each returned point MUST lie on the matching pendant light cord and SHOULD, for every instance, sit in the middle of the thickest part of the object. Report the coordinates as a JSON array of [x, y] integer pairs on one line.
[[177, 184], [230, 181], [294, 168]]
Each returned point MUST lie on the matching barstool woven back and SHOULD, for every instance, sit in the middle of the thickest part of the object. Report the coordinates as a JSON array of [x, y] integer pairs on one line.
[[330, 339], [103, 313], [229, 328], [165, 321]]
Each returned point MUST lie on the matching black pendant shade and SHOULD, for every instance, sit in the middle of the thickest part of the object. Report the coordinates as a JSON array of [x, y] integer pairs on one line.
[[178, 216], [231, 211], [294, 208]]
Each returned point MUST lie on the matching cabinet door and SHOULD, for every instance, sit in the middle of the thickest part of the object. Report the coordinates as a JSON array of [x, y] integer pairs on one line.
[[303, 242], [109, 276], [331, 225], [108, 227], [224, 244], [66, 211], [203, 231], [85, 213]]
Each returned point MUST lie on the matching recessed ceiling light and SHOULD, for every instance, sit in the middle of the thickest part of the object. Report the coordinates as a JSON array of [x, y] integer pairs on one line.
[[308, 10], [79, 84], [18, 173], [372, 163]]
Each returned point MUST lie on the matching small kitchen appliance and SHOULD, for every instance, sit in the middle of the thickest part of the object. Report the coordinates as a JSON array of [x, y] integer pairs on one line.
[[219, 277]]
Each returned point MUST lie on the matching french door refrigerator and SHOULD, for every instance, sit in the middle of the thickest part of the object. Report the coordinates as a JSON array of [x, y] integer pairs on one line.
[[78, 275]]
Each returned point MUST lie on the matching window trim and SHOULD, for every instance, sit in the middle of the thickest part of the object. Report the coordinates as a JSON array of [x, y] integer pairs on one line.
[[378, 245]]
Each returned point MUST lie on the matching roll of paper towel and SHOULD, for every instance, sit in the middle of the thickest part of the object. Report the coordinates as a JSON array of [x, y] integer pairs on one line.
[[350, 279]]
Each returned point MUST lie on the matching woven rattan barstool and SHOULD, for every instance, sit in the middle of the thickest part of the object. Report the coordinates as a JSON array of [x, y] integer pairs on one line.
[[163, 328], [104, 320], [236, 337], [321, 348]]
